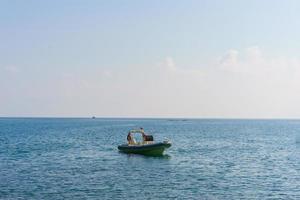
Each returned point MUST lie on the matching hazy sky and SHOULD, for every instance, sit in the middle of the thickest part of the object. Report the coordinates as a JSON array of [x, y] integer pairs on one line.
[[153, 58]]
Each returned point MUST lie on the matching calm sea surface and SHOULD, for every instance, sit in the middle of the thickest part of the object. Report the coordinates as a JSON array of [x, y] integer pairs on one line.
[[209, 159]]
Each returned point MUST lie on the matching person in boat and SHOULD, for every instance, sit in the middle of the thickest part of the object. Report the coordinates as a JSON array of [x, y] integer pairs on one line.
[[130, 139], [144, 138], [147, 139], [143, 135]]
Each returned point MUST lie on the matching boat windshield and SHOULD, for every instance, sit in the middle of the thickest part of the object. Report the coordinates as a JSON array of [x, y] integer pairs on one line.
[[138, 137]]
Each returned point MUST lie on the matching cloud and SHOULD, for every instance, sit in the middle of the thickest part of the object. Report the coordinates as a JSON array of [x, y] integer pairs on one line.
[[253, 54], [12, 69], [169, 63], [107, 73], [251, 61], [247, 83], [244, 83], [230, 59]]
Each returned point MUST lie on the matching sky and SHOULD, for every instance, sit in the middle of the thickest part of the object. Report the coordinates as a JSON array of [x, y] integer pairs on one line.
[[138, 58]]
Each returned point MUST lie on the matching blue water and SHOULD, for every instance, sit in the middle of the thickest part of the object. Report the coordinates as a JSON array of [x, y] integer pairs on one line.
[[209, 159]]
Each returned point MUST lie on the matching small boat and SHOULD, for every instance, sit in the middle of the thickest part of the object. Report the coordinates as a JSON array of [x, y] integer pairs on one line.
[[146, 147]]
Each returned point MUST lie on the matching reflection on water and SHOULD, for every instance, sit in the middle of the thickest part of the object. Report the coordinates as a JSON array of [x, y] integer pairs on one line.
[[131, 155]]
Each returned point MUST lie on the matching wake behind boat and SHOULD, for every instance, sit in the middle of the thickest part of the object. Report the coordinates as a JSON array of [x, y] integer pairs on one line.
[[146, 147]]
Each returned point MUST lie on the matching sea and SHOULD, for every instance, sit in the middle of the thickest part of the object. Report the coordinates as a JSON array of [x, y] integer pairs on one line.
[[77, 158]]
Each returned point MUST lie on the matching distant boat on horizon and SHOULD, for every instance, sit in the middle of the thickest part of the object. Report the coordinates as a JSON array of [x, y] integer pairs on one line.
[[93, 117]]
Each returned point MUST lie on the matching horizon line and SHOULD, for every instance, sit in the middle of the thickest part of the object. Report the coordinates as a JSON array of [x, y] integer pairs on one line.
[[140, 117]]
